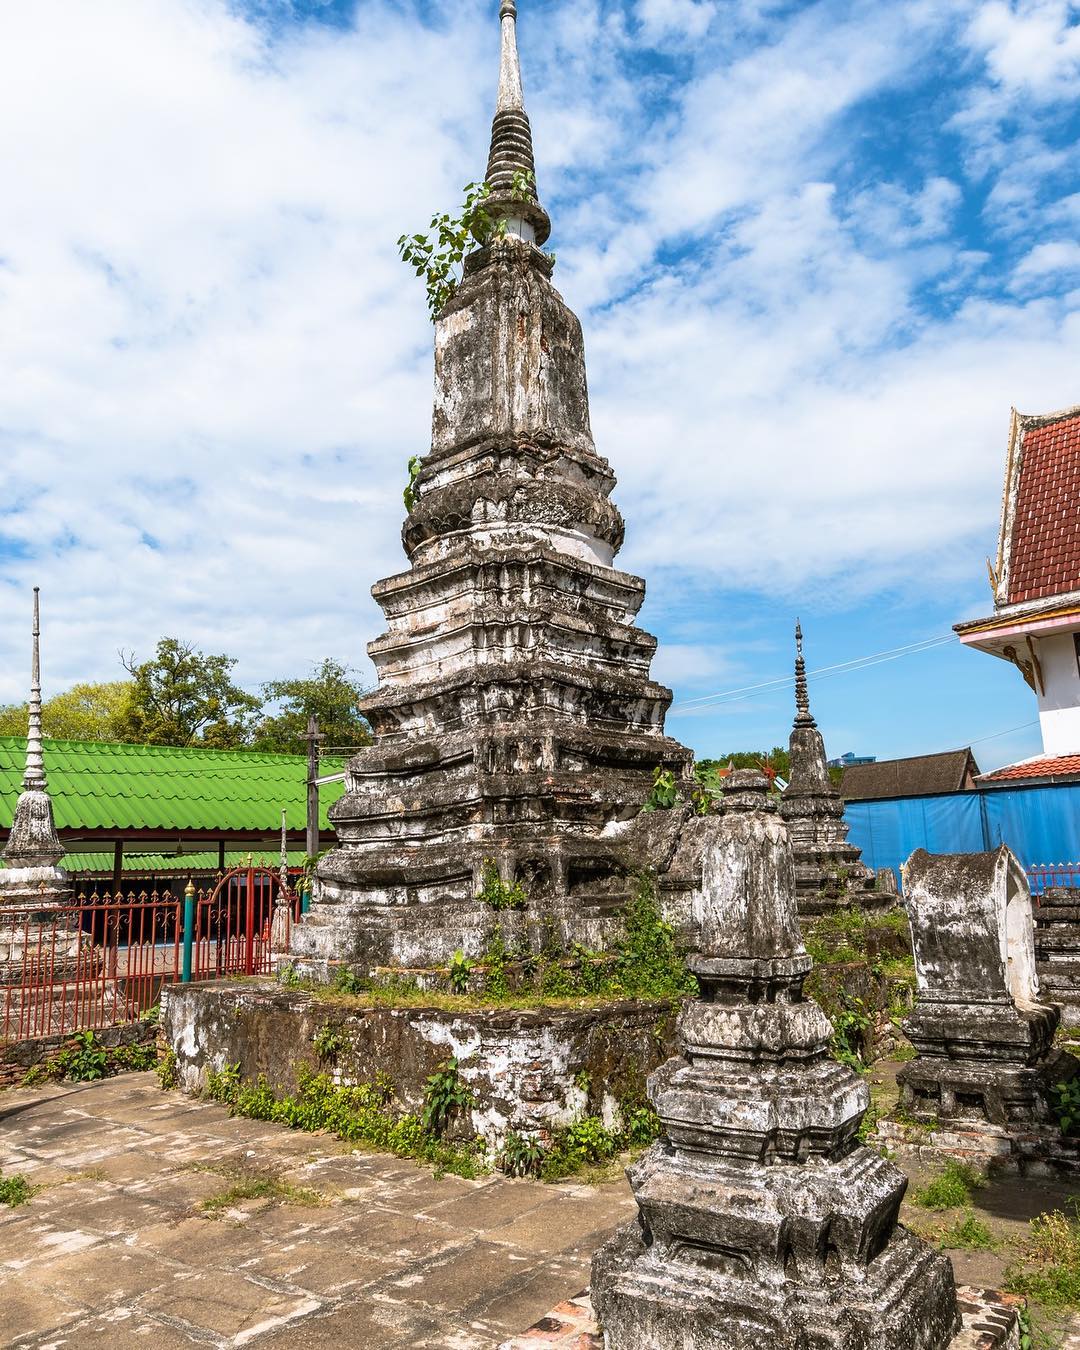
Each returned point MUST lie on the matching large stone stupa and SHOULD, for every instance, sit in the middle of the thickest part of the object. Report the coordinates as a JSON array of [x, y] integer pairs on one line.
[[515, 718]]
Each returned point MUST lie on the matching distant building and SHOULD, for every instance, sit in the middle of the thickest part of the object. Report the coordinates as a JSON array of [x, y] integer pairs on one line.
[[1036, 583], [143, 815], [849, 757], [919, 776]]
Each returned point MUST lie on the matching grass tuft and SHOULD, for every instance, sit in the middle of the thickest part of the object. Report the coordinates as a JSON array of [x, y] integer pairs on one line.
[[968, 1234], [260, 1186], [1051, 1275], [951, 1188], [15, 1190]]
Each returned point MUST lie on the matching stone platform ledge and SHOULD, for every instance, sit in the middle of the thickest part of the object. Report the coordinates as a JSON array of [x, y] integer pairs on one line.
[[990, 1321], [987, 1147], [530, 1070]]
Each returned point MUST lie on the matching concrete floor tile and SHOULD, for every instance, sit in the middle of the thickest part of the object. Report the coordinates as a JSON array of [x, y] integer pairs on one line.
[[119, 1329], [534, 1291], [84, 1280], [491, 1206], [563, 1222], [25, 1312], [314, 1266], [236, 1307], [200, 1243], [357, 1326], [472, 1274]]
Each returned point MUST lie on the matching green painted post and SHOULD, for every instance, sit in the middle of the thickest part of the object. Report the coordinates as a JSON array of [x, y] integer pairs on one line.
[[189, 931], [305, 896]]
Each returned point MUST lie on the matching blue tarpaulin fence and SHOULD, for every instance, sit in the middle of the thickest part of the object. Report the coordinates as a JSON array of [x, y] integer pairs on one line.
[[1040, 824]]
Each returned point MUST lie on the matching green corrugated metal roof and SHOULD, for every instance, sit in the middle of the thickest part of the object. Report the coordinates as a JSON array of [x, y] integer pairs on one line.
[[99, 786], [167, 864]]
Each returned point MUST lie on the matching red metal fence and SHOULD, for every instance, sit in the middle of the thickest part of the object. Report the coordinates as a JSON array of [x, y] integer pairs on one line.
[[1049, 876], [104, 961]]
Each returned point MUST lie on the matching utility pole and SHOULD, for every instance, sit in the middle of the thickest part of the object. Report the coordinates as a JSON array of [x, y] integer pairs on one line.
[[313, 738]]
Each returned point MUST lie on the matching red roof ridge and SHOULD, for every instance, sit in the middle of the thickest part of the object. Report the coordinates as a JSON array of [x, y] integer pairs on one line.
[[1039, 766], [1039, 546]]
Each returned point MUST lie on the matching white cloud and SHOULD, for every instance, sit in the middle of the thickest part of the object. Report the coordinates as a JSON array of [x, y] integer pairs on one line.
[[213, 367], [1031, 46], [1050, 261], [662, 19]]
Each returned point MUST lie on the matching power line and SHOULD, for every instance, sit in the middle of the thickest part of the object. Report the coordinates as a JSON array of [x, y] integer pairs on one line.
[[822, 672], [995, 735]]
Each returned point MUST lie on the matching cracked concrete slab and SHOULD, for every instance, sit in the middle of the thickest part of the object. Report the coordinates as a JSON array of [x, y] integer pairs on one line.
[[115, 1248]]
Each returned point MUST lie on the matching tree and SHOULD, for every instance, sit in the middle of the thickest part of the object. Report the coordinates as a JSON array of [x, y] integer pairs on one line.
[[329, 695], [777, 760], [181, 696], [85, 712]]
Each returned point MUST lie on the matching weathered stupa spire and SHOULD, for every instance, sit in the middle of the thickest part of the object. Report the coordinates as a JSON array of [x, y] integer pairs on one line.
[[828, 870], [803, 715], [34, 775], [33, 840], [511, 154]]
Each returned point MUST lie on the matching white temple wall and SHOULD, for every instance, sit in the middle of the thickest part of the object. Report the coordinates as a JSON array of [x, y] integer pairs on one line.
[[1059, 706]]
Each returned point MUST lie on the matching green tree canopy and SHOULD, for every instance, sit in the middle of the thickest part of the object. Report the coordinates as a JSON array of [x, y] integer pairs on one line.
[[85, 712], [181, 696], [328, 695], [777, 759]]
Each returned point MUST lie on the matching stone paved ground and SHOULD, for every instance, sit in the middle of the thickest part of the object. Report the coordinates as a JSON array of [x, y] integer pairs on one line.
[[115, 1251]]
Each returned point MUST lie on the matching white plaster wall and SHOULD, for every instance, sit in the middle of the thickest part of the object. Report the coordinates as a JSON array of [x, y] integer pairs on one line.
[[1059, 707]]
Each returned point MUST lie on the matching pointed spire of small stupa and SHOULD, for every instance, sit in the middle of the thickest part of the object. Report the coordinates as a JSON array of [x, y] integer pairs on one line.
[[510, 95], [33, 839], [34, 774], [803, 715], [511, 155]]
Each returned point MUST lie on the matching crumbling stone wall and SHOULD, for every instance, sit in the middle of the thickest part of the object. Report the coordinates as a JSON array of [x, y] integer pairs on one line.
[[1057, 950], [530, 1070], [17, 1058]]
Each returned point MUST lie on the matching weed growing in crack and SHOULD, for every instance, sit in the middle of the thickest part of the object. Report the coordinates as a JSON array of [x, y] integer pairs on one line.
[[951, 1188]]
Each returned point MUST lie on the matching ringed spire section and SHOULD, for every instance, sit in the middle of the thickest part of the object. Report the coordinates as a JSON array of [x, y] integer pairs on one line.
[[511, 170]]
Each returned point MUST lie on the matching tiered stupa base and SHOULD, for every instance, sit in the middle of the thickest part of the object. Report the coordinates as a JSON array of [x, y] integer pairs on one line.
[[709, 1297], [414, 908], [1057, 950], [762, 1220], [982, 1087]]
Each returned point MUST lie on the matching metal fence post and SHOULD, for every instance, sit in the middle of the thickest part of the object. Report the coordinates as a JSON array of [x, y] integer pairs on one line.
[[189, 931]]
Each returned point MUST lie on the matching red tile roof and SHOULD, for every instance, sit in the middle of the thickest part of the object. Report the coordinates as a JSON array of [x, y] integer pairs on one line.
[[1045, 547], [1051, 766]]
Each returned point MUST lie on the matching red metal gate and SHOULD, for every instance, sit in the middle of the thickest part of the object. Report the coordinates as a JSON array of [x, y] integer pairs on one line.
[[103, 960], [243, 921]]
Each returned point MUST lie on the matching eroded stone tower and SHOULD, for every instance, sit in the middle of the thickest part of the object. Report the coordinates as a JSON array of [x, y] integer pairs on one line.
[[31, 877], [829, 870], [982, 1085], [762, 1219], [515, 718]]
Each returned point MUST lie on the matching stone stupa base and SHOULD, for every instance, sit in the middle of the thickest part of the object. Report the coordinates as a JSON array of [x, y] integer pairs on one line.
[[746, 1255], [989, 1321], [995, 1149]]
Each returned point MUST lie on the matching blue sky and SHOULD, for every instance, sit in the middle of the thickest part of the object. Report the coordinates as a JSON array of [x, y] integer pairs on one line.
[[818, 250]]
